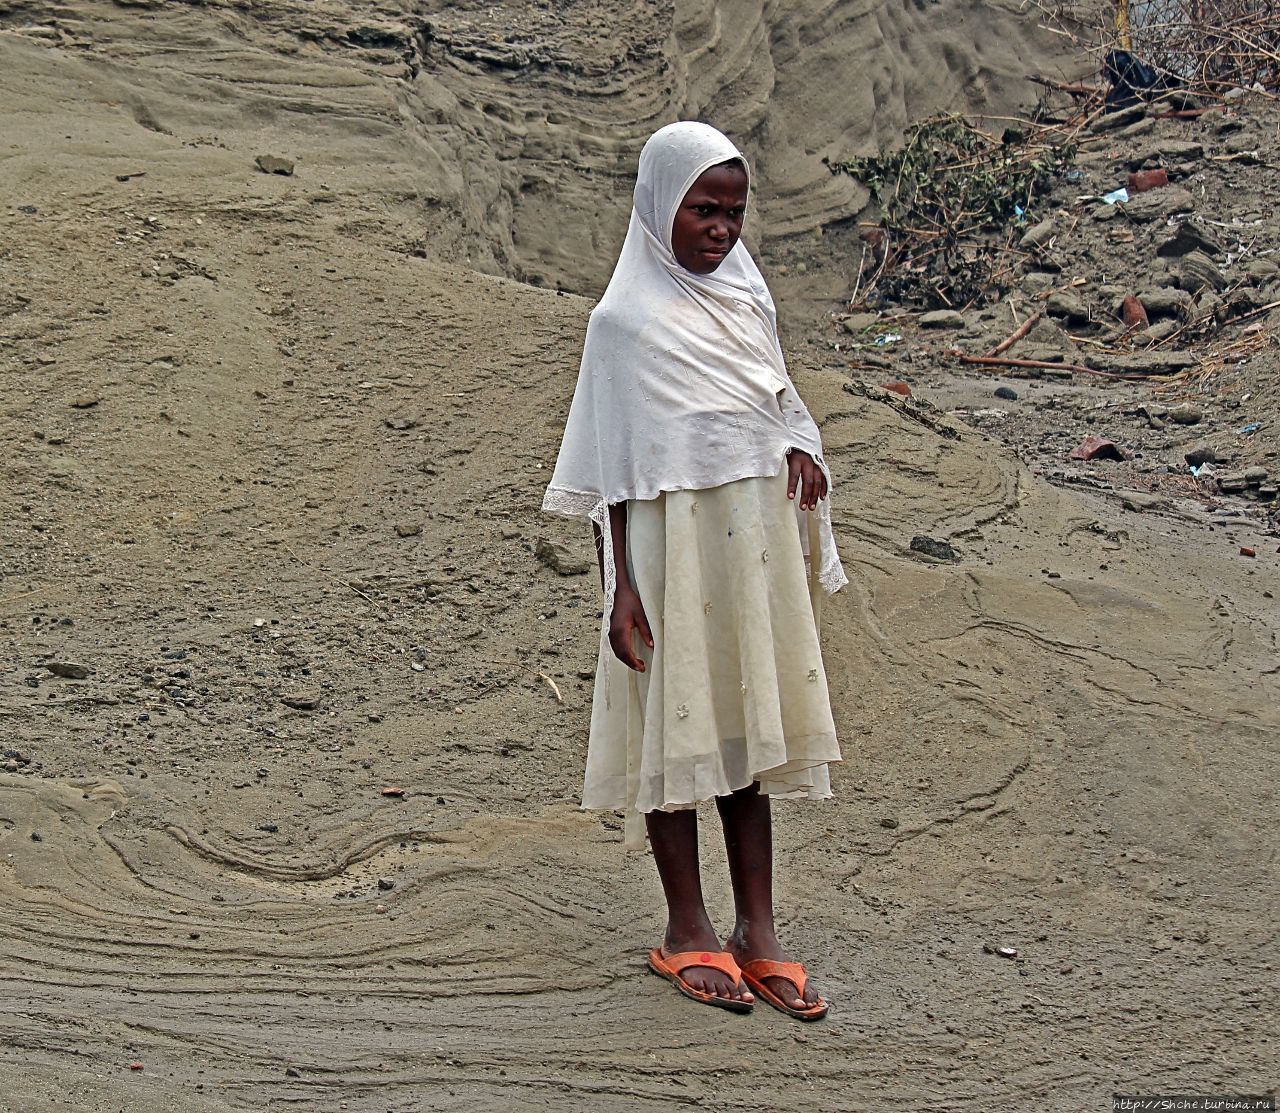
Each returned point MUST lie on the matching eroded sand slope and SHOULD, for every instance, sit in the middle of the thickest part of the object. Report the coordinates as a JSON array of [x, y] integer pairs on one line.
[[504, 135], [256, 449]]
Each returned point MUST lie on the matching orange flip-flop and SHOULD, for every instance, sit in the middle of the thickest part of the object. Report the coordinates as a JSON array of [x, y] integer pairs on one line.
[[671, 967], [754, 973]]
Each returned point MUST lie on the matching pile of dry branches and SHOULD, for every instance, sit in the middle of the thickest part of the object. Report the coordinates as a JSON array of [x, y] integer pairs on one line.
[[952, 200], [1206, 46]]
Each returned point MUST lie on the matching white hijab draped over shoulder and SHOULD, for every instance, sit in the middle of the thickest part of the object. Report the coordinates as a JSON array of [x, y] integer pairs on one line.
[[683, 385]]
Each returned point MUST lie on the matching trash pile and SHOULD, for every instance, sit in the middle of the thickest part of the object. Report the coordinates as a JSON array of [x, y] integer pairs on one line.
[[1138, 270], [1147, 46]]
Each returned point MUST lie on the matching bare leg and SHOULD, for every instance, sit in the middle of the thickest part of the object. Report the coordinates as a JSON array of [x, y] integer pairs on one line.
[[674, 838], [748, 840]]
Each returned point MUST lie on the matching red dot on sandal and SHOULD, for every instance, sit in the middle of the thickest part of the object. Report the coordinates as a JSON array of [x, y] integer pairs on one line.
[[704, 957]]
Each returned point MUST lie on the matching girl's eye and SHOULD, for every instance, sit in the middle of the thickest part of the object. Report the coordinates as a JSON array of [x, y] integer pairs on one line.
[[702, 210], [737, 214]]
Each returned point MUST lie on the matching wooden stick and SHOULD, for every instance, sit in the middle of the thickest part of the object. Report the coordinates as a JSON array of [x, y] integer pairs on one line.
[[1251, 314], [1063, 86], [1074, 368], [1187, 113], [1017, 334]]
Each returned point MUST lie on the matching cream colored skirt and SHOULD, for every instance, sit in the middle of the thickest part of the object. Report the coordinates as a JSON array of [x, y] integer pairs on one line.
[[734, 689]]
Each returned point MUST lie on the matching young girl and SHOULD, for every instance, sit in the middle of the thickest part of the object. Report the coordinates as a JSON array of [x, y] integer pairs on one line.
[[702, 471]]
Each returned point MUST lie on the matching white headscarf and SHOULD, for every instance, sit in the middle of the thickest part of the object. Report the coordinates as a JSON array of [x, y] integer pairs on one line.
[[683, 385]]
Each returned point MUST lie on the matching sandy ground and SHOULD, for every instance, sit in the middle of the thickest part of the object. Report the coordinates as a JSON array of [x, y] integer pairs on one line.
[[273, 479]]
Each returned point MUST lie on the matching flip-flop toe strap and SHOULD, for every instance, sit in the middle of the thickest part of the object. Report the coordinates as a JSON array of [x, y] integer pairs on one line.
[[716, 960], [794, 972]]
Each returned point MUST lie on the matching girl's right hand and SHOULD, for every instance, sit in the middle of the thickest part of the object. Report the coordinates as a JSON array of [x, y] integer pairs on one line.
[[627, 620]]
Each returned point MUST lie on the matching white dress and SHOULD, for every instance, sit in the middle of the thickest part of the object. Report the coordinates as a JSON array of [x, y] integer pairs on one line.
[[734, 689]]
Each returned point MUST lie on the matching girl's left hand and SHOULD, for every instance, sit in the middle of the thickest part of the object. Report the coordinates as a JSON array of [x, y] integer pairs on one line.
[[806, 476]]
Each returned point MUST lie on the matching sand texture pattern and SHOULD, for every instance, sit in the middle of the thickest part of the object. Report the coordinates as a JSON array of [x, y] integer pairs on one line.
[[273, 459], [476, 128]]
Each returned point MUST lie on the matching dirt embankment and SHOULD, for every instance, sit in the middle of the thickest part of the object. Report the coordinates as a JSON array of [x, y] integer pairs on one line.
[[270, 519]]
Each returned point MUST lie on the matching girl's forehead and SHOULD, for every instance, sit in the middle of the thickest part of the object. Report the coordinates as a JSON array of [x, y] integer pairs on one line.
[[725, 176]]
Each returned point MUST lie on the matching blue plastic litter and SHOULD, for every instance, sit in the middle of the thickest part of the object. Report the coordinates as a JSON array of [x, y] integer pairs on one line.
[[1115, 195], [1252, 427]]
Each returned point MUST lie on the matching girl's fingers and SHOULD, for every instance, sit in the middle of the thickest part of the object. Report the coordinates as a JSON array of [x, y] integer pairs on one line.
[[642, 625], [793, 468]]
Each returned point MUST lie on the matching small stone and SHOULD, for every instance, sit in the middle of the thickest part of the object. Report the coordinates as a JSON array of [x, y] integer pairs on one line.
[[942, 319], [408, 529], [1166, 301], [1166, 152], [933, 547], [1161, 330], [558, 558], [889, 822], [857, 323], [1196, 271], [1255, 475], [1185, 414], [386, 884], [1035, 282], [1047, 333], [1157, 204], [1068, 305], [1246, 551], [393, 792], [1038, 235], [292, 1072], [898, 387], [274, 164], [1007, 393], [302, 701], [1142, 501], [1188, 238], [400, 424], [69, 669], [1232, 483], [85, 401], [1200, 455], [1262, 270], [269, 828]]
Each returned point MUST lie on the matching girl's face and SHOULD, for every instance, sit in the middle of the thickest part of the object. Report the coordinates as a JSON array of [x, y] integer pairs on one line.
[[709, 220]]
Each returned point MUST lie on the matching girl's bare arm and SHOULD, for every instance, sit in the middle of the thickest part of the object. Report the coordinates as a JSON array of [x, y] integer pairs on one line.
[[628, 618]]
